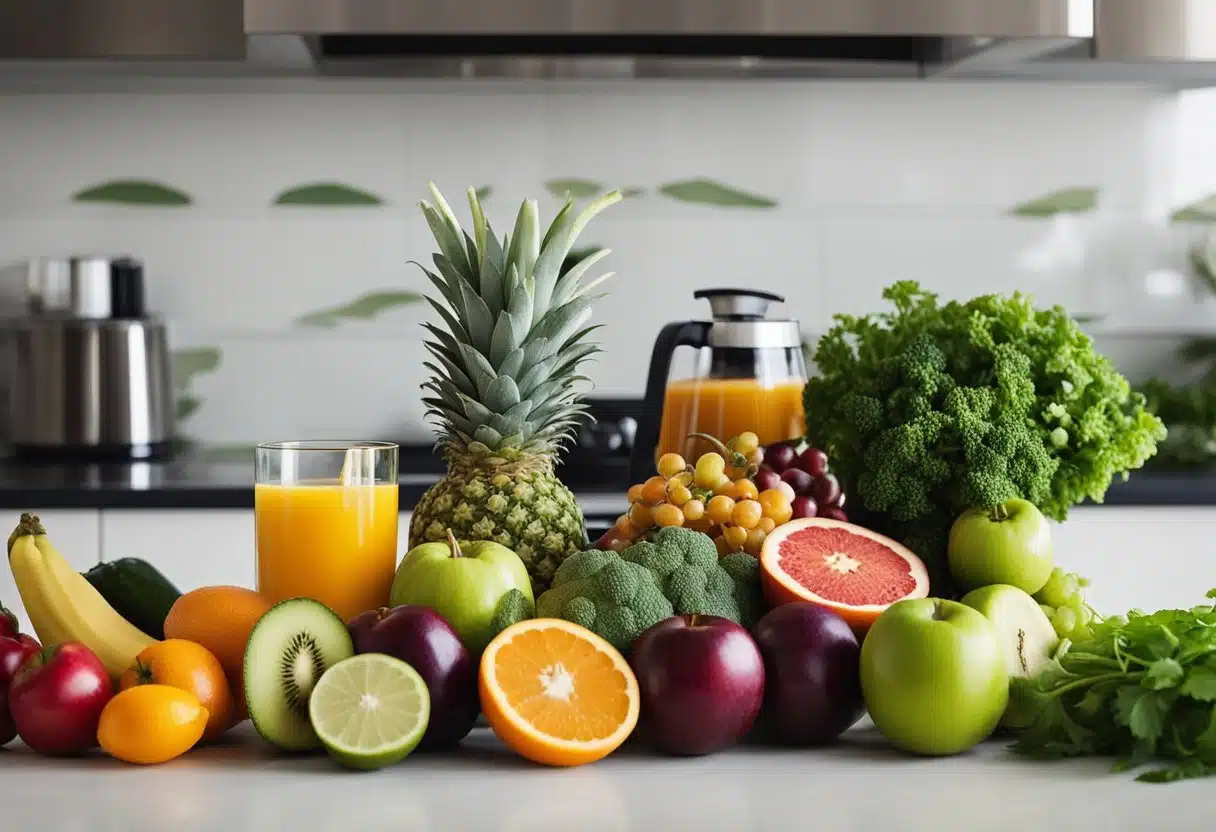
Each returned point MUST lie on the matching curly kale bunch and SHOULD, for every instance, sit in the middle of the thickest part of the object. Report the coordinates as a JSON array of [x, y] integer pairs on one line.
[[935, 408]]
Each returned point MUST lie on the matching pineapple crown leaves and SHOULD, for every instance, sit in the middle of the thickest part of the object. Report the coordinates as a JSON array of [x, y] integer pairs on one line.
[[505, 371]]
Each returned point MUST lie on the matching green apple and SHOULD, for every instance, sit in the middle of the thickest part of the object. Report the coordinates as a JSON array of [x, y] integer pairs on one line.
[[933, 676], [1007, 544], [463, 583], [1027, 638]]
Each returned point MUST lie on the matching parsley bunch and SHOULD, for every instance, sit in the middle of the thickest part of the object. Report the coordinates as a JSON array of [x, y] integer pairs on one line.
[[933, 408], [1141, 689]]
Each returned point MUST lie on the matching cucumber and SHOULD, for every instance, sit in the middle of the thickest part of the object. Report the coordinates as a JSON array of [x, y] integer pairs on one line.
[[137, 591]]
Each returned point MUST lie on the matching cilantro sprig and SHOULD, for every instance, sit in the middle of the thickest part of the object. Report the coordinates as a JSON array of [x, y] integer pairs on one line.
[[1142, 689]]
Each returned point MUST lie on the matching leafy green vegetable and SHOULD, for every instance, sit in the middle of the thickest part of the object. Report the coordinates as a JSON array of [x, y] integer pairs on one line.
[[1142, 689], [1190, 414], [935, 408]]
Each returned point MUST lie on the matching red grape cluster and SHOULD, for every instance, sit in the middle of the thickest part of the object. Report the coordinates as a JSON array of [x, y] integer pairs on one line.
[[817, 492]]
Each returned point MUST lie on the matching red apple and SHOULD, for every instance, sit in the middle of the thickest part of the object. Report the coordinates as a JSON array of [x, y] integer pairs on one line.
[[13, 653], [702, 682], [426, 642], [812, 681], [57, 697], [9, 626]]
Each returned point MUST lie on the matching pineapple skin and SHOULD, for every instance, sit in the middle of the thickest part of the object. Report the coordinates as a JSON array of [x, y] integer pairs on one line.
[[532, 513]]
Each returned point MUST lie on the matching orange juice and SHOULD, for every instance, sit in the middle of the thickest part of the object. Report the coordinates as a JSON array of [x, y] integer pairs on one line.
[[725, 407], [335, 543]]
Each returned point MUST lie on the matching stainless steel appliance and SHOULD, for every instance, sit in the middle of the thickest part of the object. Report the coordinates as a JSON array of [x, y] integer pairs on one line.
[[90, 377], [1168, 42], [745, 372]]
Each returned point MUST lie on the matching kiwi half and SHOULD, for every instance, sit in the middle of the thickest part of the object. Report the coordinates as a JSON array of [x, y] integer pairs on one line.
[[295, 642]]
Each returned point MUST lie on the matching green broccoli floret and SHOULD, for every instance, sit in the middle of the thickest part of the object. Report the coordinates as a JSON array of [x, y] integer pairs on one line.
[[744, 570], [687, 568], [610, 596], [512, 608], [678, 572]]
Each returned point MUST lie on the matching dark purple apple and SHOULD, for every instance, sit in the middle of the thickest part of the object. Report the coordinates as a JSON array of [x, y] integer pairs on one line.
[[812, 690], [701, 678], [426, 642]]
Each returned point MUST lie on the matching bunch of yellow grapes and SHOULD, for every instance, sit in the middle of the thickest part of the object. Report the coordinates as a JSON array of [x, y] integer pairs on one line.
[[716, 496]]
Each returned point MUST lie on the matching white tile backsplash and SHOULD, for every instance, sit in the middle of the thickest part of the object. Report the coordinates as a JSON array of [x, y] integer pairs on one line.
[[874, 183]]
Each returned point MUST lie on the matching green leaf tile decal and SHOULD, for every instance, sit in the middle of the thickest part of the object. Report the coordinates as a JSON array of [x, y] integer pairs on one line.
[[185, 407], [575, 188], [327, 195], [140, 192], [363, 308], [192, 362], [710, 192], [187, 365], [484, 192], [1201, 210], [1064, 201]]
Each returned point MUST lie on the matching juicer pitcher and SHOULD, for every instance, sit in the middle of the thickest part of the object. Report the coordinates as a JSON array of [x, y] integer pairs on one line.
[[744, 372]]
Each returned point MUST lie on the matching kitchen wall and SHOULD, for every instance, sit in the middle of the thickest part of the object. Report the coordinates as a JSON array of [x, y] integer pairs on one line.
[[295, 318]]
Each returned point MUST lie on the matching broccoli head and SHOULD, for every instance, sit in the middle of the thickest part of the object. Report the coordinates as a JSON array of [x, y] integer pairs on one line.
[[610, 596], [677, 572], [686, 566], [934, 408]]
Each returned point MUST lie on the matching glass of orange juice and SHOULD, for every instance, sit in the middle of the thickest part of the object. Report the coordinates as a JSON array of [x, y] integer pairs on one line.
[[326, 520]]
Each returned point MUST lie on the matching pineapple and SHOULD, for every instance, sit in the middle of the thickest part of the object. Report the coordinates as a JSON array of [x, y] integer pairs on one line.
[[505, 387]]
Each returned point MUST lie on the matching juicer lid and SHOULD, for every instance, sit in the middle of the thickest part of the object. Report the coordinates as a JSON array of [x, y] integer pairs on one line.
[[739, 320], [738, 304]]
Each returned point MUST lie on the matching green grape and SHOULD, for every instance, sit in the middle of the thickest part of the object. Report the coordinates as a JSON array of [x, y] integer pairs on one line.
[[1064, 622], [1070, 585], [1054, 593]]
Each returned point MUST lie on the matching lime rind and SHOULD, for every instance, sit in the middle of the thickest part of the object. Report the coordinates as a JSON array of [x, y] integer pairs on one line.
[[370, 711]]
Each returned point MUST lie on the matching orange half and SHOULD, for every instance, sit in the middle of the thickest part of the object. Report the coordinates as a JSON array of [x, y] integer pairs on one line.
[[556, 693]]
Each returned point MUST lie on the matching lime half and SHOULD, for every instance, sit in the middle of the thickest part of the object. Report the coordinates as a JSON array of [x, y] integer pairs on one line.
[[370, 710]]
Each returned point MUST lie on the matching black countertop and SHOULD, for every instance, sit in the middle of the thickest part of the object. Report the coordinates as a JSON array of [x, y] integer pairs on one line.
[[214, 482], [221, 479]]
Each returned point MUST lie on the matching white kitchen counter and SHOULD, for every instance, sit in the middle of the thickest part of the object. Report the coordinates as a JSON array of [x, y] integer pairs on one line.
[[857, 785]]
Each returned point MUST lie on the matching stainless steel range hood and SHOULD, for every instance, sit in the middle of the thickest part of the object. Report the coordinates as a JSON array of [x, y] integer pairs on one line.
[[669, 38], [1168, 42]]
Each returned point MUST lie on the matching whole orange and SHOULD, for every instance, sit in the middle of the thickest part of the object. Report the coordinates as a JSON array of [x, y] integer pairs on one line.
[[190, 667], [220, 618]]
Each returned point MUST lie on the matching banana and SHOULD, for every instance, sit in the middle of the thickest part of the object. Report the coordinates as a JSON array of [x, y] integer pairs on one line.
[[32, 579], [65, 605]]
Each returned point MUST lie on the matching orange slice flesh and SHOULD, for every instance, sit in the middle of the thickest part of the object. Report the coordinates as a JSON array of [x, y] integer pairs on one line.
[[556, 693]]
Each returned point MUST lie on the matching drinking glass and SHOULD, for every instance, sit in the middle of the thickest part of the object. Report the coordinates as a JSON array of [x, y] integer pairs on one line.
[[326, 522]]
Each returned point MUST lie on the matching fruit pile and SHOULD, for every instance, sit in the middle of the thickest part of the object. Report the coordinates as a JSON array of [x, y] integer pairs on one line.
[[817, 492], [737, 495]]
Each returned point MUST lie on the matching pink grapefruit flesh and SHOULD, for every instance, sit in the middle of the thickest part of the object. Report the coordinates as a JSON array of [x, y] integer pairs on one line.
[[850, 570]]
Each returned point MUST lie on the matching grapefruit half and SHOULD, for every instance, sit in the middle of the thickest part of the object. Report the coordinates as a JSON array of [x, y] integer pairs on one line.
[[850, 570]]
